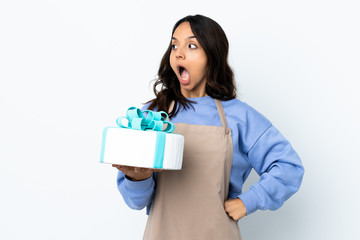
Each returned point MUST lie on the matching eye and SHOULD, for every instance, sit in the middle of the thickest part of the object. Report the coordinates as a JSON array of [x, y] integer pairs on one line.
[[173, 46], [193, 46]]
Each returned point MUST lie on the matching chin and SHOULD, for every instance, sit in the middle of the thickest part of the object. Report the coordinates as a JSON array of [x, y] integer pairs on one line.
[[186, 88]]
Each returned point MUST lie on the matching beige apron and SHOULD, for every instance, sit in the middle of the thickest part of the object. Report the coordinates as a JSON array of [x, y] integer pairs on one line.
[[189, 204]]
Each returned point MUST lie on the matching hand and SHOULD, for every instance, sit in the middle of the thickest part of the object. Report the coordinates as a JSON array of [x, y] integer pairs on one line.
[[235, 208], [136, 173]]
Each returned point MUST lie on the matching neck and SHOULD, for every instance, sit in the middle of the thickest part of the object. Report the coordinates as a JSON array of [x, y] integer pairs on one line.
[[192, 94]]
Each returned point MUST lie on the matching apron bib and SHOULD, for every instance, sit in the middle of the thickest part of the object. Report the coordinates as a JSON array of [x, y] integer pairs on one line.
[[189, 204]]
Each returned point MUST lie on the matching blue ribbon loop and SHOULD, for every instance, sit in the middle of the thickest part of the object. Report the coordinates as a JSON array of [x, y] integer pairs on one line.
[[153, 121]]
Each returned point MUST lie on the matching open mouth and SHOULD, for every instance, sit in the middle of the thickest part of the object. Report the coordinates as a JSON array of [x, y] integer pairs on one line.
[[184, 75], [181, 70]]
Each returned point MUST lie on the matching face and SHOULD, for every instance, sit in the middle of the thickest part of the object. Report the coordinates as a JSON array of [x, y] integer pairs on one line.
[[188, 60]]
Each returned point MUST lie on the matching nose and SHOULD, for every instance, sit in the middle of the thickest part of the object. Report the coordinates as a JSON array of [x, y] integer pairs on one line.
[[179, 54]]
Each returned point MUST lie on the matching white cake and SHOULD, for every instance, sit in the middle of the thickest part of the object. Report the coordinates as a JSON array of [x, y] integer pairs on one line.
[[148, 149]]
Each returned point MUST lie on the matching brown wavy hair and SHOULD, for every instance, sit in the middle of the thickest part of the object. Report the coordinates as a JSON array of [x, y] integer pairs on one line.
[[220, 82]]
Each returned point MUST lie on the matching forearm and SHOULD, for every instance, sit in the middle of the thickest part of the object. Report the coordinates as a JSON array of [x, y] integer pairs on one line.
[[136, 194]]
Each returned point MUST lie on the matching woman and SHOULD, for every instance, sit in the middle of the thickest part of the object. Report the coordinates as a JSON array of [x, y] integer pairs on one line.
[[224, 139]]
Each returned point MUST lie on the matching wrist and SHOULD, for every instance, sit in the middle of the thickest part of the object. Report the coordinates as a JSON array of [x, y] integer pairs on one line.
[[137, 179]]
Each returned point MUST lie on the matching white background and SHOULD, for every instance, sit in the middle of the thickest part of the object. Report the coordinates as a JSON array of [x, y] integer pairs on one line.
[[69, 68]]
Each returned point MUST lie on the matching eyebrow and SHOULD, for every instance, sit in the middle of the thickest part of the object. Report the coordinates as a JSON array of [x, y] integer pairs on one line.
[[174, 38]]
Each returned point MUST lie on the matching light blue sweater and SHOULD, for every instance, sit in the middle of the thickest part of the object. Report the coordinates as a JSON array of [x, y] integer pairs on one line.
[[257, 144]]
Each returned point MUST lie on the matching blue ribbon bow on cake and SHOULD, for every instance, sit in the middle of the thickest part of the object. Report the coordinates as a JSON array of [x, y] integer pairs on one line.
[[153, 121]]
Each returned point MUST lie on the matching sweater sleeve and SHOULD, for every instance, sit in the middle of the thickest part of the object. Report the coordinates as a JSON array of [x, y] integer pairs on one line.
[[136, 194], [280, 170]]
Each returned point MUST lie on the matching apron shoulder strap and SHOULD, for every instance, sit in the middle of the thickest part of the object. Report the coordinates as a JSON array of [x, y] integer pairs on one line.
[[222, 115]]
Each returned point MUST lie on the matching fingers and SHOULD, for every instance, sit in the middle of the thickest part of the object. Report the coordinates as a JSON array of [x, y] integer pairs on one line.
[[119, 167], [134, 173], [235, 208], [125, 169], [141, 170], [136, 169], [157, 169]]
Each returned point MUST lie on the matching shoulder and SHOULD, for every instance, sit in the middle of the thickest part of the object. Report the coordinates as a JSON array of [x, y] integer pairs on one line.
[[247, 122], [244, 113]]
